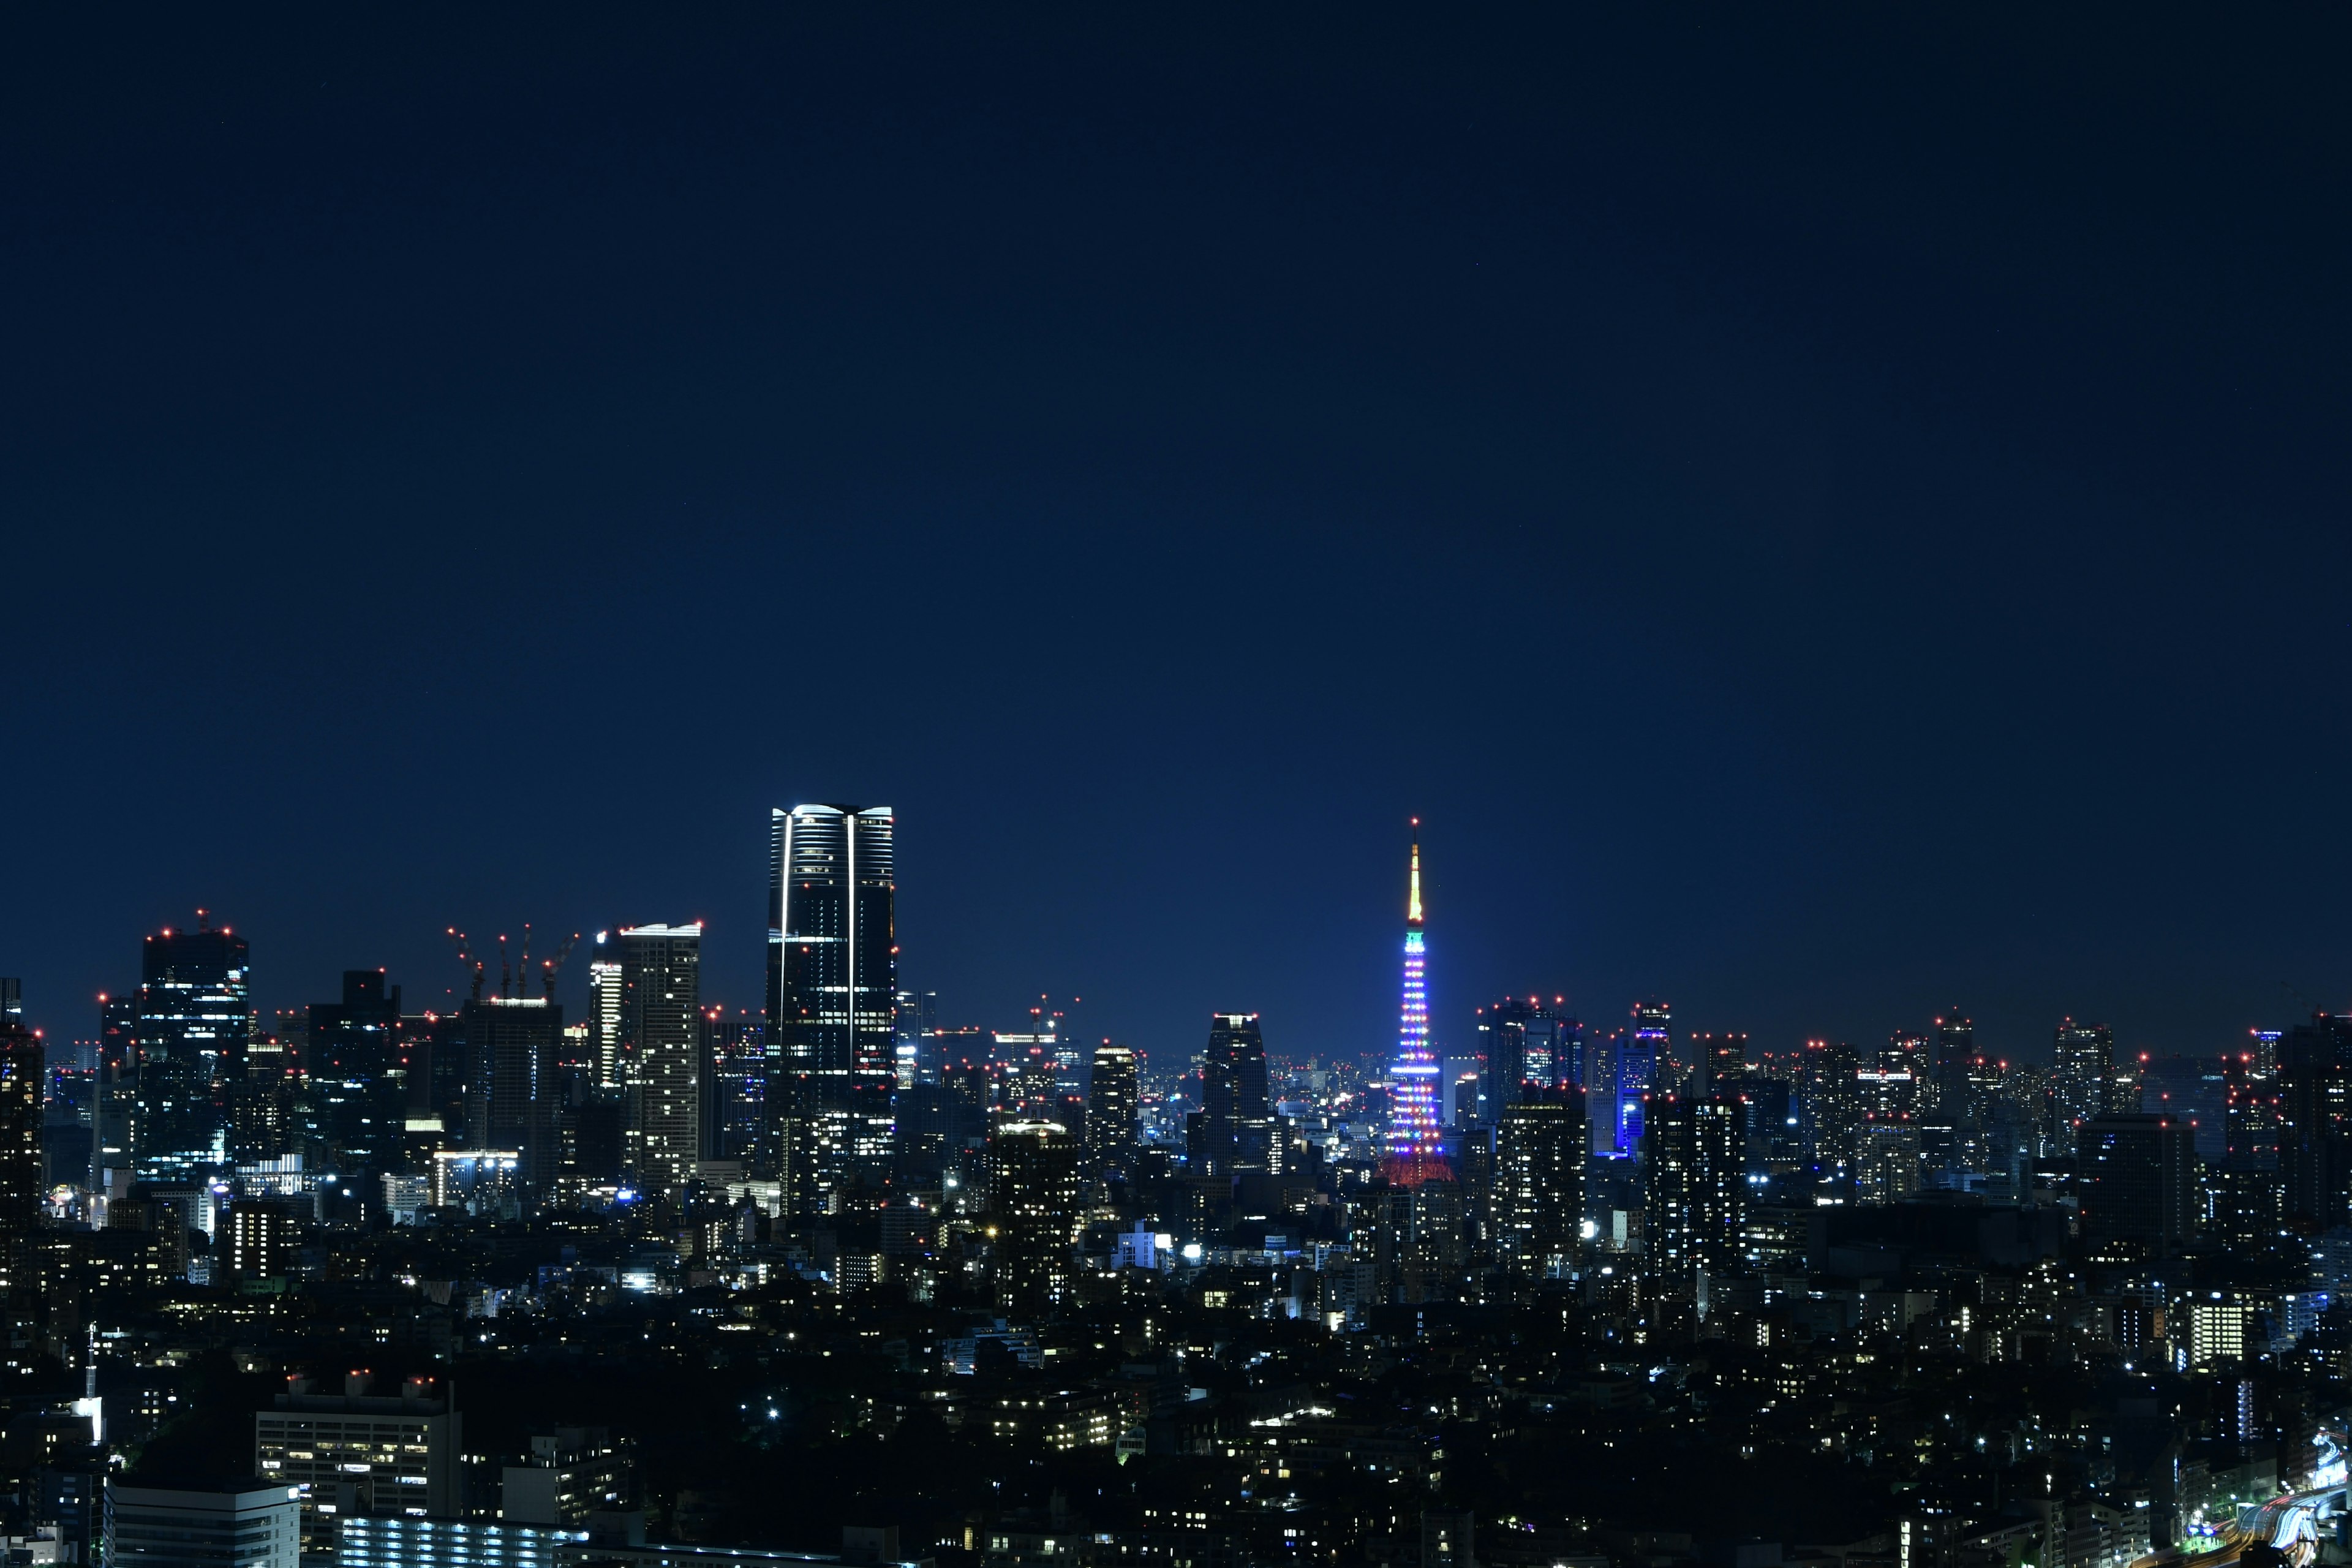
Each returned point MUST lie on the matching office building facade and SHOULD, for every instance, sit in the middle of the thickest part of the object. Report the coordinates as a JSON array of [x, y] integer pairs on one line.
[[194, 1021], [662, 1049], [833, 991]]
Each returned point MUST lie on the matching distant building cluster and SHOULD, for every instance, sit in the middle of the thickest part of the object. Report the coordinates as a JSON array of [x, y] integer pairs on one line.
[[1513, 1297]]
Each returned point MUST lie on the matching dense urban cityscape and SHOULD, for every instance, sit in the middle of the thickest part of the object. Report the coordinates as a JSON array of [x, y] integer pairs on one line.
[[833, 1280]]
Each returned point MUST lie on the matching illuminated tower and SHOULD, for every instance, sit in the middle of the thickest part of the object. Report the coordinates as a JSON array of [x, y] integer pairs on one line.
[[1414, 1113]]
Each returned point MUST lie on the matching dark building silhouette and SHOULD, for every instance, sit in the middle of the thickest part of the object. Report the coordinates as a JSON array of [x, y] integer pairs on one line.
[[833, 988], [2139, 1180], [512, 1097], [2315, 1122], [22, 1084], [1233, 1131], [358, 1070]]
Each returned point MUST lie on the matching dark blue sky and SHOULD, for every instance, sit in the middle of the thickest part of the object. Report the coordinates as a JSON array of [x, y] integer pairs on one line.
[[1825, 515]]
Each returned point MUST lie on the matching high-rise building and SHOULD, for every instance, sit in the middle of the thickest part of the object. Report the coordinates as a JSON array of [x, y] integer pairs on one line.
[[1954, 1052], [195, 1017], [358, 1070], [23, 1083], [1539, 1147], [1033, 1207], [661, 1050], [1236, 1116], [1529, 1048], [1112, 1104], [1416, 1111], [510, 1099], [604, 1009], [2141, 1181], [1721, 1062], [732, 1111], [2314, 1121], [1654, 1040], [2081, 1065], [915, 1020], [833, 988], [1698, 1186]]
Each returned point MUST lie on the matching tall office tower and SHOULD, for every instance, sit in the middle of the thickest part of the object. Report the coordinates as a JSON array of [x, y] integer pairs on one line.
[[115, 1108], [1832, 1105], [1033, 1206], [510, 1093], [604, 1008], [359, 1073], [1721, 1063], [661, 1046], [1776, 1140], [1416, 1112], [23, 1083], [1698, 1186], [2141, 1174], [1887, 1089], [833, 989], [731, 1111], [2314, 1082], [2083, 1062], [1653, 1033], [1527, 1048], [1236, 1119], [915, 1020], [12, 998], [1112, 1103], [195, 1017], [1951, 1057], [1539, 1148]]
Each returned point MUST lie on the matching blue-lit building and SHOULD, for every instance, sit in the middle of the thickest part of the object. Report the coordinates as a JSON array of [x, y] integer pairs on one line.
[[395, 1542]]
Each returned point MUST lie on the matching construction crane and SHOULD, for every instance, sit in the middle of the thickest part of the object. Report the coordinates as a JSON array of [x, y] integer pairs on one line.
[[466, 961], [506, 970], [552, 967]]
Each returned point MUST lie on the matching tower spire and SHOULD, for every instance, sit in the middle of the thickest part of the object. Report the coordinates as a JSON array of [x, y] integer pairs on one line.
[[1412, 904], [1415, 1099]]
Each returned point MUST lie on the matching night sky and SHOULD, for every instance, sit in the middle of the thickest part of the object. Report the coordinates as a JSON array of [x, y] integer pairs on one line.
[[1825, 513]]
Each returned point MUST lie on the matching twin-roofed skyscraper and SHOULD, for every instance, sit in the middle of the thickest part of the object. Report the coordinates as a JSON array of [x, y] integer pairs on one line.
[[833, 989]]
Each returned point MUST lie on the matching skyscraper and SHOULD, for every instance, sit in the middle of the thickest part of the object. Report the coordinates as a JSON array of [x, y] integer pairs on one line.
[[1237, 1120], [2082, 1066], [1416, 1112], [2141, 1174], [661, 1048], [1539, 1144], [511, 1095], [195, 1017], [833, 988], [1033, 1208], [1698, 1186], [1529, 1048], [604, 1009], [22, 1082], [358, 1072], [1111, 1106]]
